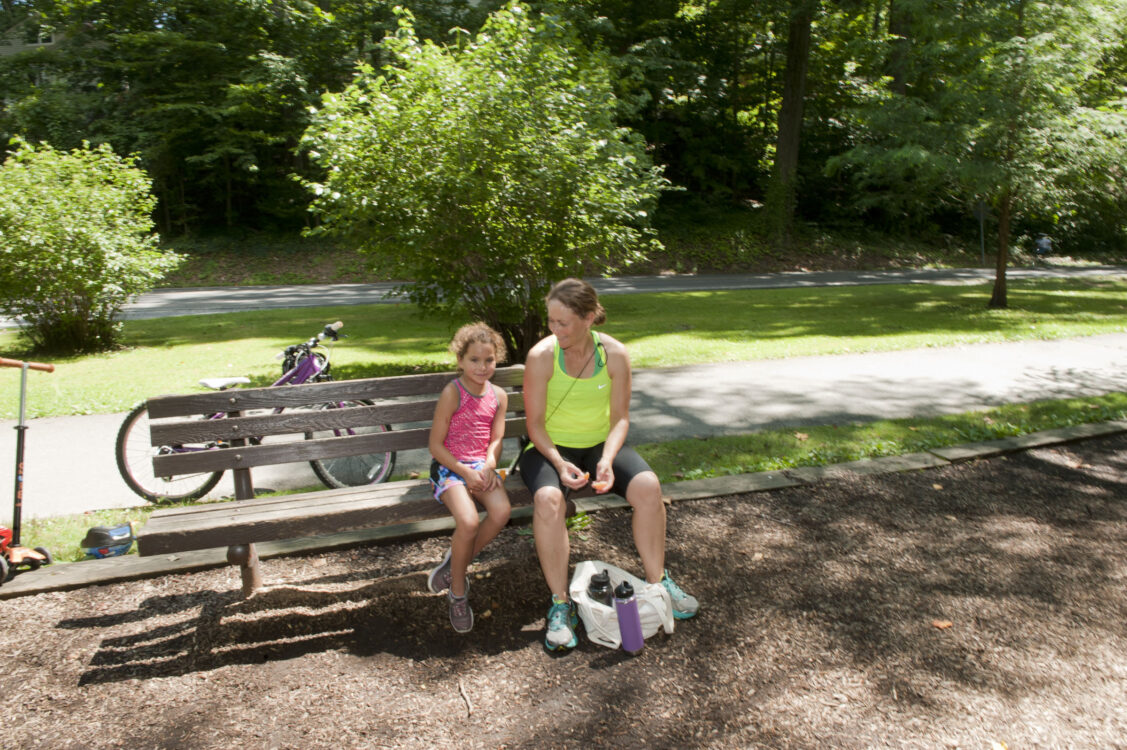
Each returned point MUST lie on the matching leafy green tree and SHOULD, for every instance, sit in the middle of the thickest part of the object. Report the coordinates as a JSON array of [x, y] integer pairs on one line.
[[698, 79], [213, 95], [484, 173], [76, 243], [993, 108]]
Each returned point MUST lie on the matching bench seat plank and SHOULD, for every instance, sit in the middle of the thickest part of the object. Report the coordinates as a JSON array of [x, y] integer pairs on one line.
[[293, 516], [264, 501]]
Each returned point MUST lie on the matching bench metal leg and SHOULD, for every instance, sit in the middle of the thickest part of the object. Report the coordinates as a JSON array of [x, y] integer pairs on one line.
[[246, 556]]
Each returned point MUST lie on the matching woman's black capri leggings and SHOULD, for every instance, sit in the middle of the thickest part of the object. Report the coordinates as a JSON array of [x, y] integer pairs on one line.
[[537, 472]]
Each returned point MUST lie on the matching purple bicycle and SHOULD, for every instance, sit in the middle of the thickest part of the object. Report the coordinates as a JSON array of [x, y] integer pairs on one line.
[[307, 362]]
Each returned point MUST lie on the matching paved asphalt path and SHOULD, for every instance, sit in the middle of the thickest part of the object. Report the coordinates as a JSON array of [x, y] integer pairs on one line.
[[169, 302], [741, 397]]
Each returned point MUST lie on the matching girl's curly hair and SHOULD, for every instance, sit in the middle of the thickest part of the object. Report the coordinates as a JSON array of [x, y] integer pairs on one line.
[[477, 333]]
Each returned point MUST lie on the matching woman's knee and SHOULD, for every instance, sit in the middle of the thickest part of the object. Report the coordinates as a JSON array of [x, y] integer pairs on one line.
[[549, 504], [644, 490]]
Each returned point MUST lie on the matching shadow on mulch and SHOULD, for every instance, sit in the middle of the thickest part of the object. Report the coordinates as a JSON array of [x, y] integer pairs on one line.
[[976, 603]]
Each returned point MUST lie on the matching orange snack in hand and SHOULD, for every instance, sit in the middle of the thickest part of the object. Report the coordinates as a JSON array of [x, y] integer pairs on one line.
[[601, 486]]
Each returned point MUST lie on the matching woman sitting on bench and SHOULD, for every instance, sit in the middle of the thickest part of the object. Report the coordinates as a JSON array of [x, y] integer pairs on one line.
[[577, 404]]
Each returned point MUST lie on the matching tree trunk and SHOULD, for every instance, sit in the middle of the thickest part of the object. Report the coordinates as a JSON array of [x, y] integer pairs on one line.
[[1005, 211], [781, 194], [899, 25], [228, 201], [520, 337]]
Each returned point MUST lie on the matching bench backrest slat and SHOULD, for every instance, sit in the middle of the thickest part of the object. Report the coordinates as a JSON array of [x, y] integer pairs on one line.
[[409, 417], [245, 399], [294, 421], [267, 454]]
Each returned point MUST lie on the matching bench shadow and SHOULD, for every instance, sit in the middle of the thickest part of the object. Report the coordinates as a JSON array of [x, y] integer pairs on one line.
[[392, 613]]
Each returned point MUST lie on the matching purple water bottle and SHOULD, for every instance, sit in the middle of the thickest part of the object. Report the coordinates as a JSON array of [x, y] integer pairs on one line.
[[629, 622]]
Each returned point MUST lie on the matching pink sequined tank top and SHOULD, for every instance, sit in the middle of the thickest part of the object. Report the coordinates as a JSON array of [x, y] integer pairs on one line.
[[471, 425]]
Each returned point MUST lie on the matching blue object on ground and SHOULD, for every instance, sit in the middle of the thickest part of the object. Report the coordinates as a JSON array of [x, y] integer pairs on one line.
[[108, 541]]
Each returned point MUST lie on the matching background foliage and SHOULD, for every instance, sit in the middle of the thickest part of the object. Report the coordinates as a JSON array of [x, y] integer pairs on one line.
[[913, 109]]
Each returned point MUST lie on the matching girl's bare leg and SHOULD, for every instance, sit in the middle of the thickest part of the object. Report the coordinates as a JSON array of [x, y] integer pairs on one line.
[[497, 511], [462, 508]]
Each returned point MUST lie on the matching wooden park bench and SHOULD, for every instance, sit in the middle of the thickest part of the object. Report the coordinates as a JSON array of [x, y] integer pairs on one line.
[[241, 523]]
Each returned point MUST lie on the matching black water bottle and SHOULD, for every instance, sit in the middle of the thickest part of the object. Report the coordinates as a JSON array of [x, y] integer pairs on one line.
[[598, 588]]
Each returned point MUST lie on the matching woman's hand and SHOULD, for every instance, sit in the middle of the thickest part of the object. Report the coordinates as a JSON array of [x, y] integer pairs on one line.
[[604, 477], [571, 476]]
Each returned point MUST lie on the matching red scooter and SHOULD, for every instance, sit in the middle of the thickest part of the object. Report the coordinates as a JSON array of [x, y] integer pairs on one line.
[[12, 555]]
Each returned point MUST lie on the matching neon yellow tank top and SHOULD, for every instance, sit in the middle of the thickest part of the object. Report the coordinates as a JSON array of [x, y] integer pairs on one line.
[[578, 409]]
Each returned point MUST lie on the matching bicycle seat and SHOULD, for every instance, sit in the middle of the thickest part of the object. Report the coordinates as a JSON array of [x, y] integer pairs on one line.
[[222, 384]]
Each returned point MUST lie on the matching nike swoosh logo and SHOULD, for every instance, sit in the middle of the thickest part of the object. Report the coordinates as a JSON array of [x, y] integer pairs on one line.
[[602, 386]]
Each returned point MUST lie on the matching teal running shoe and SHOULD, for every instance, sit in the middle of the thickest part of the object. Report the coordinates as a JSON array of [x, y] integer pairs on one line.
[[684, 605], [562, 622]]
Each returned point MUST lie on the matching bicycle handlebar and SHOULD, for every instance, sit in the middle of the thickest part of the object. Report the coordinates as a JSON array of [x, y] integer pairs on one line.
[[30, 365], [329, 331]]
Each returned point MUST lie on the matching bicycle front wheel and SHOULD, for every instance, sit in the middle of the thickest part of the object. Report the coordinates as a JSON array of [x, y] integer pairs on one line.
[[135, 462], [352, 471]]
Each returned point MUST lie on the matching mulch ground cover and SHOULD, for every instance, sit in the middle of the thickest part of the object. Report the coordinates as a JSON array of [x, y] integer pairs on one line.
[[980, 605]]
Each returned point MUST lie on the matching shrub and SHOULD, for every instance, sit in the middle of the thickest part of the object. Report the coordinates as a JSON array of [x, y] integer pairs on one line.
[[76, 243], [485, 173]]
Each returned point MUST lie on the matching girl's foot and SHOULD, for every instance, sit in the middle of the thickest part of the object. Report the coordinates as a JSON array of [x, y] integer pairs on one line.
[[439, 578], [461, 616]]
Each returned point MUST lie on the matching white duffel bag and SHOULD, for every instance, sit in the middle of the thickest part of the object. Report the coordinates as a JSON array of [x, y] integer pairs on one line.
[[655, 607]]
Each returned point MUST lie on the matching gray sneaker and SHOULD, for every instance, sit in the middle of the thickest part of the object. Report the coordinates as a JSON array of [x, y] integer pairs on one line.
[[439, 578], [684, 605], [461, 616]]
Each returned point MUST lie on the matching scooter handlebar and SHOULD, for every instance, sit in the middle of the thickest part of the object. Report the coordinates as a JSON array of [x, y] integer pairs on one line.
[[30, 365]]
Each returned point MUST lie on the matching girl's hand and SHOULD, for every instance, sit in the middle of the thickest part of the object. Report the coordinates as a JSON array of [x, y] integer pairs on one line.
[[571, 477], [475, 480]]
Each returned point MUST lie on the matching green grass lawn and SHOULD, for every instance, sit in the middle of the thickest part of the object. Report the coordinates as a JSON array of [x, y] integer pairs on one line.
[[820, 445], [170, 355]]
